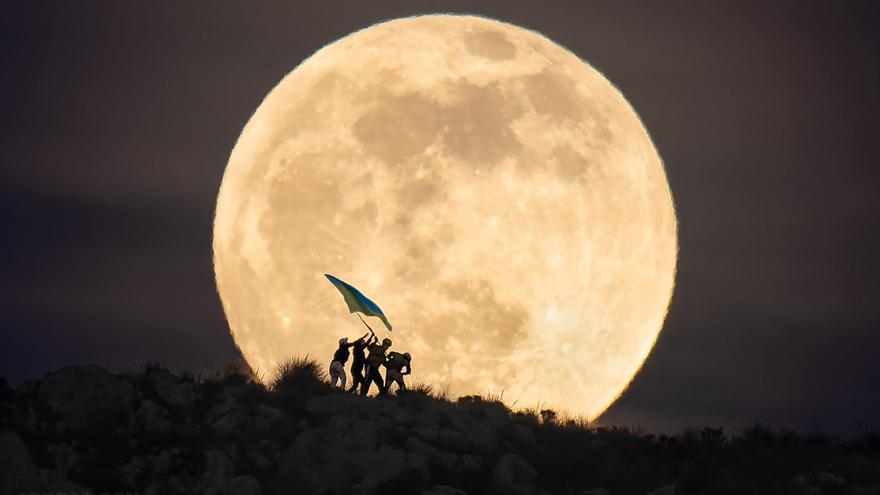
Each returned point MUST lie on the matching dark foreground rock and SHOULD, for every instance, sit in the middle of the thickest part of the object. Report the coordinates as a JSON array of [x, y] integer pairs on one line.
[[84, 429]]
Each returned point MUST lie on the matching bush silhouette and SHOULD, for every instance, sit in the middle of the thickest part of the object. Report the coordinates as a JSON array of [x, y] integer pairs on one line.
[[266, 433]]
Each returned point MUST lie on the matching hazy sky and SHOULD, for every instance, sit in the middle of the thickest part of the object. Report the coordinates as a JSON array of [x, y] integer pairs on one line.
[[117, 120]]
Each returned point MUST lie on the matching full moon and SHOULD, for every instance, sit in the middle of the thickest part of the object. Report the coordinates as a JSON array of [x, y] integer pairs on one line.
[[493, 193]]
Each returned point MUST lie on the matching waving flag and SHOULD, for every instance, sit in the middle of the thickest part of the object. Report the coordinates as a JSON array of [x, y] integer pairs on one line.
[[356, 301]]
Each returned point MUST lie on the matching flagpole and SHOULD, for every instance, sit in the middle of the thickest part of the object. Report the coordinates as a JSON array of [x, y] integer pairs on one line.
[[365, 323]]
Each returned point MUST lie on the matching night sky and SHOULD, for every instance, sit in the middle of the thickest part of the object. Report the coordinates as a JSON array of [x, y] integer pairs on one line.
[[118, 118]]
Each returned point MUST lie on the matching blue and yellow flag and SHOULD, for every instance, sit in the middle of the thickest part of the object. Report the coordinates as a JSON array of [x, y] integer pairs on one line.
[[356, 301]]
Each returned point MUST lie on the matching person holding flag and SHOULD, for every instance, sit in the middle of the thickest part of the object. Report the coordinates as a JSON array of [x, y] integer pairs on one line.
[[357, 302], [375, 360], [359, 359], [395, 365]]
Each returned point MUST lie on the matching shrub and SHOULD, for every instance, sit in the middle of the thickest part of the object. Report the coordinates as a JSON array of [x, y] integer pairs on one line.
[[299, 374], [238, 373]]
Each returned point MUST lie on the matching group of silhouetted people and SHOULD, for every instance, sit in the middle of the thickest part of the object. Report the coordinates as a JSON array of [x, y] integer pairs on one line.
[[369, 356]]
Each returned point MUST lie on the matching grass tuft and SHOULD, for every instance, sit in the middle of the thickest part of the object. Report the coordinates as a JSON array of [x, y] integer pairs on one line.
[[298, 373]]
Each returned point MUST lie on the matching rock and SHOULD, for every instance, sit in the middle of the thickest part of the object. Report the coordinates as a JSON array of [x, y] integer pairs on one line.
[[521, 437], [802, 485], [513, 476], [337, 439], [217, 473], [417, 464], [26, 417], [337, 454], [65, 457], [65, 486], [266, 418], [452, 439], [150, 417], [427, 433], [243, 485], [483, 438], [161, 463], [227, 417], [828, 480], [461, 421], [161, 379], [261, 463], [664, 490], [6, 391], [27, 390], [179, 397], [17, 471], [386, 464], [332, 405], [86, 397], [230, 424], [382, 408], [221, 408], [133, 471], [443, 490], [403, 416], [469, 464], [594, 491], [434, 457]]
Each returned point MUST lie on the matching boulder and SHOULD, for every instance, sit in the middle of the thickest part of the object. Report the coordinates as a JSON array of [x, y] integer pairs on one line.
[[446, 461], [664, 490], [217, 474], [443, 490], [132, 472], [513, 476], [828, 480], [427, 433], [521, 437], [803, 486], [332, 405], [417, 464], [6, 392], [594, 491], [160, 463], [227, 417], [86, 397], [26, 390], [469, 464], [482, 437], [403, 416], [65, 457], [452, 439], [243, 485], [65, 486], [384, 465], [179, 397], [17, 471], [160, 379], [336, 440], [150, 417], [265, 418]]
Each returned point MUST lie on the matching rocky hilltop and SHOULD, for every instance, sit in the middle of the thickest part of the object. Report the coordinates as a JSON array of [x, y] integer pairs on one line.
[[84, 429]]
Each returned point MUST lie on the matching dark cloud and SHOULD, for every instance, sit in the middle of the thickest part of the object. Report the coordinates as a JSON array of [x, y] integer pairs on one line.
[[116, 121]]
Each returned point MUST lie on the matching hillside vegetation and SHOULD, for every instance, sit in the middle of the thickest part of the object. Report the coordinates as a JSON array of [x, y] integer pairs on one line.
[[84, 429]]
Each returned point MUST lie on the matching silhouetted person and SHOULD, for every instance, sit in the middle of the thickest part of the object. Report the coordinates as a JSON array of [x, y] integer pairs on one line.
[[395, 365], [337, 366], [375, 360], [358, 359]]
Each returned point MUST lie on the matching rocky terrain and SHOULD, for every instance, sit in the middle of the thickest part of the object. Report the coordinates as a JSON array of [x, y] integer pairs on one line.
[[84, 429]]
